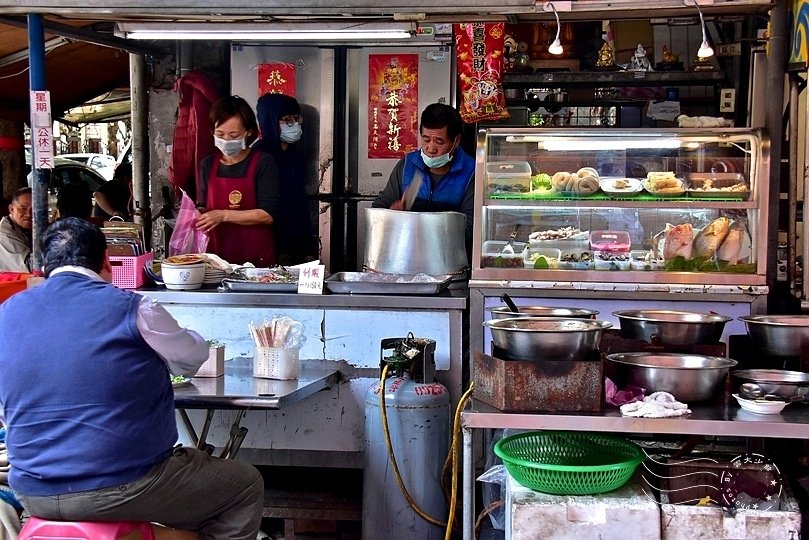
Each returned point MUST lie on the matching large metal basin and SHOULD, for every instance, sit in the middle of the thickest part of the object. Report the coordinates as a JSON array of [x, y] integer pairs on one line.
[[688, 377], [780, 382], [503, 312], [779, 335], [399, 242], [546, 338], [669, 327]]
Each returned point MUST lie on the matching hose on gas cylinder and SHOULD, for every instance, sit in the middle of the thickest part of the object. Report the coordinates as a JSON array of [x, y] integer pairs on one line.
[[451, 460]]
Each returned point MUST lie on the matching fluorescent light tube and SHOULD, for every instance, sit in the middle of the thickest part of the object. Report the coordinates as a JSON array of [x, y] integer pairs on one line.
[[562, 144], [266, 31]]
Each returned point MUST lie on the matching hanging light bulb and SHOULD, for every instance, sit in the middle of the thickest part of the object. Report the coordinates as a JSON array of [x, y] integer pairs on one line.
[[705, 50], [555, 47]]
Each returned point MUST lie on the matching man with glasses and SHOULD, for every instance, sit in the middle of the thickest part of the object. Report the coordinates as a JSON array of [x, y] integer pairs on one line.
[[281, 125], [15, 233]]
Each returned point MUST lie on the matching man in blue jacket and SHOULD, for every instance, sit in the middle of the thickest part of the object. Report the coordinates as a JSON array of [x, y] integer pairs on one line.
[[85, 387], [447, 172]]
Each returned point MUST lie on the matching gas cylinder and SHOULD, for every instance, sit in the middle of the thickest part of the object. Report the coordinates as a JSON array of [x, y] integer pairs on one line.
[[418, 421]]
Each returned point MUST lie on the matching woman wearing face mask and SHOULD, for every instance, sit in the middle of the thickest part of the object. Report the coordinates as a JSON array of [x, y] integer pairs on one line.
[[447, 172], [238, 188], [281, 124]]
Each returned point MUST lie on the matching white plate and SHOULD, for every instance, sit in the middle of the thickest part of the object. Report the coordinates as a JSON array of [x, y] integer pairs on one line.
[[608, 186], [760, 406], [675, 192]]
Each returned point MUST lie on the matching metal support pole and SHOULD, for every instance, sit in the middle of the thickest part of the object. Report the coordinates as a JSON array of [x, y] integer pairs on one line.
[[140, 141], [777, 55], [792, 196], [468, 486], [42, 177]]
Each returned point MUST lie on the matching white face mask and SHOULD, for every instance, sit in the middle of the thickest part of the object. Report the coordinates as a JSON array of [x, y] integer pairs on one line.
[[290, 134], [436, 162], [230, 147]]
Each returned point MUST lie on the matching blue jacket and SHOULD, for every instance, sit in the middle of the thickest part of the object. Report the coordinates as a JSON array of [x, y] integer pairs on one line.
[[451, 188], [88, 403]]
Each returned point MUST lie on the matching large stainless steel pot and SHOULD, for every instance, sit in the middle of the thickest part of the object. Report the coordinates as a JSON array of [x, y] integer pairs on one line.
[[780, 382], [671, 327], [399, 242], [502, 312], [688, 377], [779, 335], [546, 338]]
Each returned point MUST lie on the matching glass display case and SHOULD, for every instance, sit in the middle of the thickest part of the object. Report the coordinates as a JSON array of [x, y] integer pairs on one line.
[[607, 205]]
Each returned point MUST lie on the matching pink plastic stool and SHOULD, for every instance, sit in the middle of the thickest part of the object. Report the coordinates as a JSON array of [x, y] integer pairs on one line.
[[43, 529]]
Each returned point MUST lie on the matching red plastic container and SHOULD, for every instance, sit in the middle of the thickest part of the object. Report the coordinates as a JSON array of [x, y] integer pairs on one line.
[[42, 529], [610, 241]]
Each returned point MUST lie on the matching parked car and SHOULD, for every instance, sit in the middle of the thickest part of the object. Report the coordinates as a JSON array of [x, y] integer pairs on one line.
[[103, 163], [67, 171]]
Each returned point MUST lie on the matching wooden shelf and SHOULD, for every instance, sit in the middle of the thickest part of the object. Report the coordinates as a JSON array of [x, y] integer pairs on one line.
[[559, 79]]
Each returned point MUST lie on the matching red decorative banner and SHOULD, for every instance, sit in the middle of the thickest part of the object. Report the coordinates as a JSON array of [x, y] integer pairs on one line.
[[479, 47], [276, 78], [393, 105]]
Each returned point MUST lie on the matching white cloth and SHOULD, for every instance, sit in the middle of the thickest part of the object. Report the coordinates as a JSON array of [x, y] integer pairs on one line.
[[183, 350], [657, 405]]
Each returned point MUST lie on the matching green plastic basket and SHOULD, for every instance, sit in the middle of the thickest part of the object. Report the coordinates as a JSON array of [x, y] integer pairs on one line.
[[569, 462]]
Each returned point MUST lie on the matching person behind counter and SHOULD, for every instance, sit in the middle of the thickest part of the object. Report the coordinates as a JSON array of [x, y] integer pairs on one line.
[[90, 407], [280, 120], [238, 188], [114, 198], [450, 171], [15, 233]]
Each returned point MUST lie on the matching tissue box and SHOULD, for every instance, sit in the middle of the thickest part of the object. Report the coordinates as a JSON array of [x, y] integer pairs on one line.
[[624, 513], [214, 366]]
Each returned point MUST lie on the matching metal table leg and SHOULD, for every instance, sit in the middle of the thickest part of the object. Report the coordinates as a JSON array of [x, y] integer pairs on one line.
[[468, 486], [189, 427]]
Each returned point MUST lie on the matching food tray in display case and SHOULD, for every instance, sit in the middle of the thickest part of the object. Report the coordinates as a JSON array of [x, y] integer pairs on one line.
[[373, 283], [689, 205]]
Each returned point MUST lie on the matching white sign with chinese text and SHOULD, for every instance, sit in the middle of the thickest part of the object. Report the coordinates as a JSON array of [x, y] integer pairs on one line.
[[41, 129], [310, 279]]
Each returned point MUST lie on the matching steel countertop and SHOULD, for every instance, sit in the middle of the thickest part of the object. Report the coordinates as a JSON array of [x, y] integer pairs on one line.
[[238, 389]]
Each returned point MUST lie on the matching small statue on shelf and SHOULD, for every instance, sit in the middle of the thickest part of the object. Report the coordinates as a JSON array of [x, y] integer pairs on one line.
[[671, 61], [509, 53], [639, 61], [606, 58]]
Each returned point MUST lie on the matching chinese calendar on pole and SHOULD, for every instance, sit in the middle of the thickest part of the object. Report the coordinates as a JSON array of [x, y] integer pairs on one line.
[[41, 129], [276, 78], [393, 105]]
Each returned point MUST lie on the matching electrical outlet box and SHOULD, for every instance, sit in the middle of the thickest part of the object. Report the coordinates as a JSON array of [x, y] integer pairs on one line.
[[729, 49], [727, 100]]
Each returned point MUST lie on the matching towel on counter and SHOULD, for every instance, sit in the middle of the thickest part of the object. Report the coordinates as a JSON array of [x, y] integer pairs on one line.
[[657, 405]]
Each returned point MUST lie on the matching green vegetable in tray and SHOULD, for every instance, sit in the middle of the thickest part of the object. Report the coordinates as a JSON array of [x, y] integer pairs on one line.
[[177, 379], [541, 182]]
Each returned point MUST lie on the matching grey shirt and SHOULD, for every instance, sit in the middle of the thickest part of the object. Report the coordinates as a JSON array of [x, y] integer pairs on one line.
[[15, 247]]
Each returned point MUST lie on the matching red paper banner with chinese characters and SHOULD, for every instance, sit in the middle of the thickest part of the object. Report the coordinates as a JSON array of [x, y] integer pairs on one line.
[[479, 47], [276, 78], [393, 105]]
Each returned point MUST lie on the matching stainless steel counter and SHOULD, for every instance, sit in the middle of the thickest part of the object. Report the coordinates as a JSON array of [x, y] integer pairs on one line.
[[214, 297], [238, 389]]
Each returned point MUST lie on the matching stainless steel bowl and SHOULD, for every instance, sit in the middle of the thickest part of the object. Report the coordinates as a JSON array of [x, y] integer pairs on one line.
[[670, 327], [688, 377], [503, 312], [779, 335], [546, 338], [780, 382]]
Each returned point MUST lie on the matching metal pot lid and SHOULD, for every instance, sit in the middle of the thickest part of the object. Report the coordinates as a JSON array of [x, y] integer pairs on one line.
[[777, 376], [672, 360], [670, 316]]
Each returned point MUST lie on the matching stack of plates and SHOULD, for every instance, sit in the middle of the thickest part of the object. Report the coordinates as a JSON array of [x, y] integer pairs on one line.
[[213, 276]]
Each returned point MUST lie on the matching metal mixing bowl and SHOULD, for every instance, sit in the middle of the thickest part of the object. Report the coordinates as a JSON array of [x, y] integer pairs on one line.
[[688, 377], [779, 335], [780, 382], [503, 312], [669, 327], [546, 338]]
